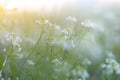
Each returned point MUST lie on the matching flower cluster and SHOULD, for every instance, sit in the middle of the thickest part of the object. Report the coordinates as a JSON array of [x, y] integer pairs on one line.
[[64, 37], [111, 66], [14, 40]]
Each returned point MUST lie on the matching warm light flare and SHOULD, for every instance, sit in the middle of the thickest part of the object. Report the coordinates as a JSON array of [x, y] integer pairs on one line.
[[47, 4], [32, 4]]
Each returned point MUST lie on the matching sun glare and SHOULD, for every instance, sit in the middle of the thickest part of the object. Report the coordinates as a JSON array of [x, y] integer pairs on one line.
[[32, 4]]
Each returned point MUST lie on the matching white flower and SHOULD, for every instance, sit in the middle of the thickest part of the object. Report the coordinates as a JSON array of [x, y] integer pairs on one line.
[[74, 19], [87, 62], [103, 65], [69, 18], [65, 31], [85, 75], [46, 22], [57, 62], [81, 73], [9, 79], [118, 71], [38, 21], [65, 34], [2, 79], [74, 72], [4, 49], [88, 23], [57, 27], [15, 40], [111, 66], [30, 62], [17, 78]]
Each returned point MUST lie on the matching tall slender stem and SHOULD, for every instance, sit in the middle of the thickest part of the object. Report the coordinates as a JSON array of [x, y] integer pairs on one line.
[[34, 48]]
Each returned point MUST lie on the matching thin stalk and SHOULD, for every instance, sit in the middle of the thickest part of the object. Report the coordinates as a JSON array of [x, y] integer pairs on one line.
[[34, 48]]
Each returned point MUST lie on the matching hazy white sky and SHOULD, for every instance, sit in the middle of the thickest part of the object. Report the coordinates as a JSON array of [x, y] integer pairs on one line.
[[49, 4], [33, 3]]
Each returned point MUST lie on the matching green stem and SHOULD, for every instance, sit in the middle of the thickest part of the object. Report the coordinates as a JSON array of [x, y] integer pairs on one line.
[[20, 70]]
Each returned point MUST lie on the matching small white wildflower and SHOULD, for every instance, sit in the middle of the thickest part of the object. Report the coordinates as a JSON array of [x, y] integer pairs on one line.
[[4, 49], [16, 41], [87, 62], [30, 62], [107, 60], [57, 61], [19, 49], [69, 18], [58, 28], [103, 65], [88, 23], [85, 75], [13, 38], [65, 31], [2, 79], [17, 78], [66, 37], [74, 72], [74, 19], [66, 46], [38, 21], [9, 79], [46, 22]]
